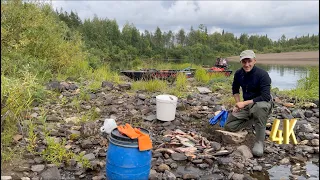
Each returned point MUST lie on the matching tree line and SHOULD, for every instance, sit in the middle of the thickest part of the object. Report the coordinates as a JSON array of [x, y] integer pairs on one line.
[[104, 38], [35, 37]]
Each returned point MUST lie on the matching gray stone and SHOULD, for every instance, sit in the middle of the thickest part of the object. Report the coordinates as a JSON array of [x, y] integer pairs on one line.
[[204, 90], [216, 146], [197, 161], [37, 168], [54, 118], [23, 167], [107, 84], [153, 175], [244, 151], [90, 156], [51, 174], [298, 113], [285, 161], [308, 113], [174, 165], [314, 142], [224, 160], [169, 175], [86, 143], [306, 128], [310, 136], [203, 166], [212, 177], [188, 176], [163, 167], [233, 137], [150, 117], [142, 96], [126, 86], [307, 149], [236, 176], [55, 86], [38, 160], [178, 156], [257, 168]]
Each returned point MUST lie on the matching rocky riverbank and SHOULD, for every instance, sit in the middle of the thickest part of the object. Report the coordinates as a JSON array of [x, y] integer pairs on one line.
[[186, 148]]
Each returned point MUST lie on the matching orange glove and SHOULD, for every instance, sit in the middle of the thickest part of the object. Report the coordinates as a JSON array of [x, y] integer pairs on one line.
[[144, 141], [128, 130]]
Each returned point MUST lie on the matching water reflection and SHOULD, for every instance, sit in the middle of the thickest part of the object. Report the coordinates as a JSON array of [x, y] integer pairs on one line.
[[283, 77]]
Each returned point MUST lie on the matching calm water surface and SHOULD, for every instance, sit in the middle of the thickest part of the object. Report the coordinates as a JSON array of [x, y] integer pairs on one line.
[[282, 77]]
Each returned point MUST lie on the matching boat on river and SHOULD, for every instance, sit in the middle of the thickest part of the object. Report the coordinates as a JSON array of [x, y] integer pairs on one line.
[[147, 74], [219, 70]]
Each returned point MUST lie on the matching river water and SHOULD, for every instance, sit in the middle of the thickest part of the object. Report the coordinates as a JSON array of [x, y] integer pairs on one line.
[[282, 76]]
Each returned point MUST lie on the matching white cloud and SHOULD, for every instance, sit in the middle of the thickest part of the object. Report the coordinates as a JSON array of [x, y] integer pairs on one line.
[[261, 17], [214, 29]]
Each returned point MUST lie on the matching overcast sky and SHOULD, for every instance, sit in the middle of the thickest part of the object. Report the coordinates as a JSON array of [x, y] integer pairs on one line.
[[274, 18]]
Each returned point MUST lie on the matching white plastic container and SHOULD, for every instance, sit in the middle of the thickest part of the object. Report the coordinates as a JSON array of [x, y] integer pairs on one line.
[[166, 107], [108, 125]]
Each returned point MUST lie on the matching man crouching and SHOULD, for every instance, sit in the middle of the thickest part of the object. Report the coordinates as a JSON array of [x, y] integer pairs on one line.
[[257, 105]]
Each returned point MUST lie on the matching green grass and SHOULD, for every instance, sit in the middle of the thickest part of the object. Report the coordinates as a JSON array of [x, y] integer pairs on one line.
[[181, 82], [154, 85], [17, 94], [202, 76]]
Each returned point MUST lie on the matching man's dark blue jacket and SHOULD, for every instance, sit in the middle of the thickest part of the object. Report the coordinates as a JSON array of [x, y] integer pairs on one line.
[[255, 84]]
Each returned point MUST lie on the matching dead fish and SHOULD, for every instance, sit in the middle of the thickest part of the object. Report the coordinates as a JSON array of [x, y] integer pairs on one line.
[[188, 154], [161, 145], [222, 152], [202, 144], [205, 156], [169, 135], [182, 138], [190, 138], [178, 131], [186, 149], [173, 145], [206, 141], [188, 143], [208, 150], [165, 150]]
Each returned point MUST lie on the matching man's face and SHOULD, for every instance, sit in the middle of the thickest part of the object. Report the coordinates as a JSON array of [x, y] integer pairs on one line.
[[247, 64]]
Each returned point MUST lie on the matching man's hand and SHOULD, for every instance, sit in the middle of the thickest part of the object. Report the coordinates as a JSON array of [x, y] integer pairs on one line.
[[240, 105], [235, 110]]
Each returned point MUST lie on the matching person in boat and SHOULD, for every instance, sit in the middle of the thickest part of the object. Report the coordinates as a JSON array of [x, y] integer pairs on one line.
[[218, 61], [257, 102], [224, 63]]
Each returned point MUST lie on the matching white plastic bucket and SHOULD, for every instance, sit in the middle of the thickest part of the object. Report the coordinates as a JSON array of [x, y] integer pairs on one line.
[[108, 125], [166, 107]]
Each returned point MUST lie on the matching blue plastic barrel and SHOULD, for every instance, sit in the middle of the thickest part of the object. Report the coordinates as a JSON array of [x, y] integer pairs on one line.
[[124, 161]]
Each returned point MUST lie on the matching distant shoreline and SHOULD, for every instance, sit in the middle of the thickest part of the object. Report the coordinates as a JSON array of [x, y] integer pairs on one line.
[[310, 58]]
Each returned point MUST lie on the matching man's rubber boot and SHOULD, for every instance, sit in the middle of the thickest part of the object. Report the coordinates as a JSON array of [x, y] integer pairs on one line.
[[258, 147]]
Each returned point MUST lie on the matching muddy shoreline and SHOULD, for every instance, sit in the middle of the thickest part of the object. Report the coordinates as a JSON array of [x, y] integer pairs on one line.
[[288, 58]]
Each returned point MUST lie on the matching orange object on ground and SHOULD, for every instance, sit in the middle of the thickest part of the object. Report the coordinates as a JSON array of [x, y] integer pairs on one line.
[[128, 130], [144, 141]]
